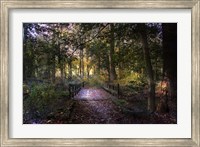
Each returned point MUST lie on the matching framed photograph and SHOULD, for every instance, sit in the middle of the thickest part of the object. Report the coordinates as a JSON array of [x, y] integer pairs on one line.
[[100, 73]]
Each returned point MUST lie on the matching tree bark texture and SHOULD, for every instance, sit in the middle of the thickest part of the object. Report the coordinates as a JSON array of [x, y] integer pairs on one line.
[[112, 71], [151, 98], [170, 56]]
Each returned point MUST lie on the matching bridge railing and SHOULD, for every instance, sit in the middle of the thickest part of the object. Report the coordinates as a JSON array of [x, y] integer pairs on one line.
[[75, 88], [112, 88]]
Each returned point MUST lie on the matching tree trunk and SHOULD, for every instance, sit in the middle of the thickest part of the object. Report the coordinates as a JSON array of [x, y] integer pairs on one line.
[[65, 73], [108, 67], [170, 56], [151, 98], [81, 64], [62, 69], [53, 71], [120, 69], [70, 69], [87, 67], [61, 72], [80, 69], [99, 65], [120, 64], [25, 38], [49, 73], [112, 71], [88, 72]]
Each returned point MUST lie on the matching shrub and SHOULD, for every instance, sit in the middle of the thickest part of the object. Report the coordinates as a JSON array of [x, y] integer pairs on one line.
[[134, 81], [96, 81], [41, 101]]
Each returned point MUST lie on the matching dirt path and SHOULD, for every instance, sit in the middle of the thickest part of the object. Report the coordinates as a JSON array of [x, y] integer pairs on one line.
[[94, 106]]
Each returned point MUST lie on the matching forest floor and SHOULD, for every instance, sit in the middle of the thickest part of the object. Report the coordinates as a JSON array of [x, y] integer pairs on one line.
[[96, 106]]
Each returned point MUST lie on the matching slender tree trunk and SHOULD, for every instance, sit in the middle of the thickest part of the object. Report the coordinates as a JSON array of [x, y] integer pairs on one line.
[[156, 74], [99, 65], [94, 70], [112, 71], [120, 69], [25, 38], [87, 67], [24, 64], [82, 66], [88, 72], [53, 72], [120, 65], [108, 67], [70, 69], [170, 56], [62, 69], [65, 73], [151, 98], [80, 69], [61, 73], [49, 73]]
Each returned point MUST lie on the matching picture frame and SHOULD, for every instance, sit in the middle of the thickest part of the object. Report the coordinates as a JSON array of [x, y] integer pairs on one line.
[[6, 5]]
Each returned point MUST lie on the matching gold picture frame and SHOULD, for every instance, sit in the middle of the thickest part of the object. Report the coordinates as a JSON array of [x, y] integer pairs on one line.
[[6, 5]]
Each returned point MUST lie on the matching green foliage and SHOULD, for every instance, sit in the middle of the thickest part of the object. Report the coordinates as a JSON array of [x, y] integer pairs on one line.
[[132, 84], [42, 100], [134, 79], [120, 102], [60, 50], [26, 89], [96, 81]]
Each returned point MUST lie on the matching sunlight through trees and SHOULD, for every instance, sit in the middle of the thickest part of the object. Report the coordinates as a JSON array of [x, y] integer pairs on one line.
[[138, 57]]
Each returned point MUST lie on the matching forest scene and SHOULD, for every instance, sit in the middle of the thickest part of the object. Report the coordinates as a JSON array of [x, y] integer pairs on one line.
[[99, 73]]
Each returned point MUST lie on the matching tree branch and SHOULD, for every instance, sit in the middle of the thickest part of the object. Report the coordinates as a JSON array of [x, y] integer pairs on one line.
[[88, 40]]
